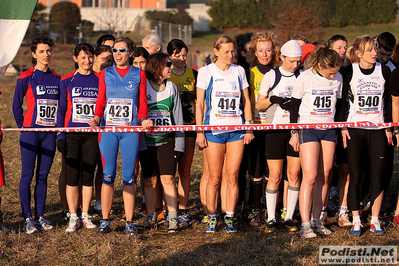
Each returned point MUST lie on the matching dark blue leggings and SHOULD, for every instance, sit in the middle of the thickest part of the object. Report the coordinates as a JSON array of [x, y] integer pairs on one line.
[[40, 146]]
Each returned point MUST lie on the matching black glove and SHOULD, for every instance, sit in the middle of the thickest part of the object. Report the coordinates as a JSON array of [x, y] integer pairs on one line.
[[276, 99], [286, 104], [62, 146], [178, 155]]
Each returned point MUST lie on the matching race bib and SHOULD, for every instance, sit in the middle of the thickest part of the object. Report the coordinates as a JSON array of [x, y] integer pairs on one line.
[[228, 104], [159, 118], [46, 112], [83, 109], [368, 102], [322, 102], [119, 112]]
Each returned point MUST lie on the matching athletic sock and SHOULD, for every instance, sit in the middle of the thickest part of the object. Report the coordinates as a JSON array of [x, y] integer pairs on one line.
[[257, 194], [292, 199], [374, 219], [212, 216], [323, 214], [85, 215], [74, 215], [230, 214], [271, 201], [342, 210], [305, 224], [356, 219], [172, 215]]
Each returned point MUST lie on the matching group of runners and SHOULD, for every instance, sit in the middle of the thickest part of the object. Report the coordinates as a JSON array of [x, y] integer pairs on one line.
[[253, 79]]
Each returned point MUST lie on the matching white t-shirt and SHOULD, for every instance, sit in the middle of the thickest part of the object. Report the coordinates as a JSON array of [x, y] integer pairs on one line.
[[223, 94], [319, 96], [275, 114]]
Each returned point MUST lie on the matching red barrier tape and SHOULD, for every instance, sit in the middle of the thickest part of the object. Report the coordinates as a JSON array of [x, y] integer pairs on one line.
[[208, 127]]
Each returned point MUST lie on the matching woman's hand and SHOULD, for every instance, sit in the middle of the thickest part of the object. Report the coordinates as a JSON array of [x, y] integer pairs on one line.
[[248, 137], [388, 133], [93, 122], [201, 140], [294, 141], [147, 123], [346, 137]]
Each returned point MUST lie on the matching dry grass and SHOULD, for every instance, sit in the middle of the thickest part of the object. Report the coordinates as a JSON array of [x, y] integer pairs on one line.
[[189, 247]]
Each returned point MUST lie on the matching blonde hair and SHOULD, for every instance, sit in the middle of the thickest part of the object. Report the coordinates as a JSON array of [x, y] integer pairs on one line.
[[359, 45], [323, 55], [219, 41], [265, 37]]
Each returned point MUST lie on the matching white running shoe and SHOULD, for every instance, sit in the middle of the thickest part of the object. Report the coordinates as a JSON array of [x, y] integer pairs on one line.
[[74, 225], [88, 223]]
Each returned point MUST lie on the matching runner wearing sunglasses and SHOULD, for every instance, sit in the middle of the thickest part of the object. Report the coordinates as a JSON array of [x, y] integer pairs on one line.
[[121, 101]]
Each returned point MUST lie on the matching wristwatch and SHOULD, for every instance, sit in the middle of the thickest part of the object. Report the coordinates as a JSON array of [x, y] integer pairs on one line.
[[294, 131], [249, 122]]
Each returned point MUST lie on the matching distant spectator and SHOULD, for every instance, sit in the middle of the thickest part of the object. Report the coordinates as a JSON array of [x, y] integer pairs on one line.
[[201, 60]]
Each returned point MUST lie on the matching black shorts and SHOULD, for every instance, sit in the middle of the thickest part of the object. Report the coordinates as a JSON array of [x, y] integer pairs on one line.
[[256, 154], [277, 145], [190, 134], [158, 160], [81, 157]]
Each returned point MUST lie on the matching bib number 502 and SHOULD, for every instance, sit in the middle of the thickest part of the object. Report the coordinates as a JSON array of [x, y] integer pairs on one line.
[[47, 111]]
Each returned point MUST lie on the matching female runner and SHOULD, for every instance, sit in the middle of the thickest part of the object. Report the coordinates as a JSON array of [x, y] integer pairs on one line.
[[223, 87], [163, 149], [266, 49], [185, 79], [122, 101], [102, 59], [314, 100], [366, 83], [78, 95], [275, 96], [41, 87]]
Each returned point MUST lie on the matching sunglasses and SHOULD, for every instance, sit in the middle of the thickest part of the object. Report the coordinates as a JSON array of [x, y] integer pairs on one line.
[[169, 64], [122, 50]]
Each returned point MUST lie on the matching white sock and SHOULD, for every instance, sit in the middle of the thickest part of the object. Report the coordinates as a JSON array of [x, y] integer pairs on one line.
[[342, 210], [271, 202], [374, 219], [292, 198], [305, 224], [212, 216], [74, 216], [85, 215], [323, 214], [356, 220], [230, 214]]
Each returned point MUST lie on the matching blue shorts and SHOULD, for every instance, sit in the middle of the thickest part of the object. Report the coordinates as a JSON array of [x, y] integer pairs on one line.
[[317, 135], [224, 138]]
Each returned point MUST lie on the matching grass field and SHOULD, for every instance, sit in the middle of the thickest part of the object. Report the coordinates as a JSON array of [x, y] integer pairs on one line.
[[191, 246]]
